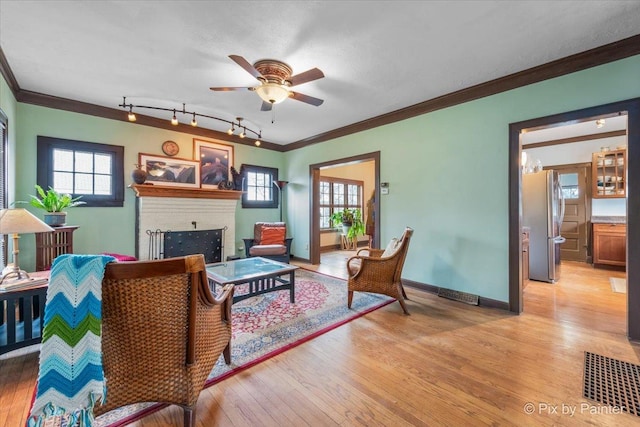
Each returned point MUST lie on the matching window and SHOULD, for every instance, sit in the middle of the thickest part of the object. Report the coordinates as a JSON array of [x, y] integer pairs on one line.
[[336, 195], [4, 143], [93, 171], [258, 188]]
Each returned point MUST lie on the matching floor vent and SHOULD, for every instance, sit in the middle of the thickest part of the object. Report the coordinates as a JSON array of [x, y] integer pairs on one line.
[[612, 382], [458, 296]]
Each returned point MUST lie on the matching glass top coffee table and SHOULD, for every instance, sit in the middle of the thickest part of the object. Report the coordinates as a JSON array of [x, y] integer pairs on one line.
[[262, 275]]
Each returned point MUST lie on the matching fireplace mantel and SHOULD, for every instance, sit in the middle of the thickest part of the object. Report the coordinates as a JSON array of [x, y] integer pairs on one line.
[[147, 190]]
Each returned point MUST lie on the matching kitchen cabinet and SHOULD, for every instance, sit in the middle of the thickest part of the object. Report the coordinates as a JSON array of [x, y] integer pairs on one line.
[[610, 244], [609, 172], [525, 256]]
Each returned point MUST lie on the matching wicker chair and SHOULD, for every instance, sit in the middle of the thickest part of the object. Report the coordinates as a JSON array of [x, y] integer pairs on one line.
[[162, 332], [379, 270]]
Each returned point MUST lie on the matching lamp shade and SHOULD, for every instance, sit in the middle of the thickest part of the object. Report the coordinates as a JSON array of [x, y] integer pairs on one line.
[[272, 93], [281, 184], [18, 221]]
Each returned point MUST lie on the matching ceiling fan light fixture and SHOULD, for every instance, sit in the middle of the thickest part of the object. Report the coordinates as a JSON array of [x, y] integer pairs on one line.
[[272, 93]]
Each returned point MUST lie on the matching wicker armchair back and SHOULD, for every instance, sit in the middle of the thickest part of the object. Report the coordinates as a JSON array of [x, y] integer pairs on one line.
[[162, 332]]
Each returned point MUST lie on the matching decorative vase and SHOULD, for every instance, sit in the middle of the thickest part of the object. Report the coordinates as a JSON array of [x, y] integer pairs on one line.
[[55, 219], [139, 175]]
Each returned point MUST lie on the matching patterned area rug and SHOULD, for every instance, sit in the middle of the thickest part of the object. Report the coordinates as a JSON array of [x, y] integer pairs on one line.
[[267, 325]]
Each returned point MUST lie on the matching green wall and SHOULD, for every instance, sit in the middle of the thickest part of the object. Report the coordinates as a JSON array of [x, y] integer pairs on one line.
[[113, 229], [447, 172], [8, 105]]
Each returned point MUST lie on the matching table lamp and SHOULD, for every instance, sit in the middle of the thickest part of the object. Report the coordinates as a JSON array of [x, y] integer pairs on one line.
[[14, 222]]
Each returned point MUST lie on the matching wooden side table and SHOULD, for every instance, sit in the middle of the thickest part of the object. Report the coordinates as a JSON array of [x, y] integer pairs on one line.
[[50, 245], [22, 316]]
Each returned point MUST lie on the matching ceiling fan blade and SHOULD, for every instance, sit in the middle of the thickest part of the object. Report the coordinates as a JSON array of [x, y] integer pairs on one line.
[[266, 106], [307, 76], [306, 98], [246, 65], [228, 89]]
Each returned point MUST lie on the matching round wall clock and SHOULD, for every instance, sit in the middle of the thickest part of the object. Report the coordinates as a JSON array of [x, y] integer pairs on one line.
[[170, 148]]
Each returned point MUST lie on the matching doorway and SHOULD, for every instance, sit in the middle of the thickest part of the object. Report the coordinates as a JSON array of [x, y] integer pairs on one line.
[[632, 109], [576, 191], [314, 215]]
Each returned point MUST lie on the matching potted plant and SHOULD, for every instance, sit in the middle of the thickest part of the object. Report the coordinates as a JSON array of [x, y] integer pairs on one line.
[[350, 220], [54, 204]]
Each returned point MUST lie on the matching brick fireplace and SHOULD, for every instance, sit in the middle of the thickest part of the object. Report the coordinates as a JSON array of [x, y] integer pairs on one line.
[[160, 209]]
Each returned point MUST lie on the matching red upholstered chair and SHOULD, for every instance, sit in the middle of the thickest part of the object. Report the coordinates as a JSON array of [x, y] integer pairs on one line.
[[269, 241]]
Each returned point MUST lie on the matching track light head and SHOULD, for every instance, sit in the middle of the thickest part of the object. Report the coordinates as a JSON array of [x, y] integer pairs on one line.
[[174, 119], [131, 116], [194, 122]]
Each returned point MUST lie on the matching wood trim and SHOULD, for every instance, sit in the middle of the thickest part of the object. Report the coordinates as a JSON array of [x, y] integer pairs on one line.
[[575, 139], [482, 301], [314, 200], [632, 108], [146, 190], [8, 75], [580, 61], [66, 104], [571, 64]]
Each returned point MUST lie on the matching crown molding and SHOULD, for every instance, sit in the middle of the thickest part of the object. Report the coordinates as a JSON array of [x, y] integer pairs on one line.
[[571, 64], [6, 72], [598, 56]]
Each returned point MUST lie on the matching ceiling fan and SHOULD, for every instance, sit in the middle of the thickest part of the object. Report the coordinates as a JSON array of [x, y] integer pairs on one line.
[[275, 80]]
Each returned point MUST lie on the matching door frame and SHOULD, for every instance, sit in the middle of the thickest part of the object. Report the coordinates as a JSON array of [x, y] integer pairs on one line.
[[314, 202], [632, 109]]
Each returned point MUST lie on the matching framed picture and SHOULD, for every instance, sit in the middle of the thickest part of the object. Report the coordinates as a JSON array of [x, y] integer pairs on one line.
[[170, 171], [215, 162]]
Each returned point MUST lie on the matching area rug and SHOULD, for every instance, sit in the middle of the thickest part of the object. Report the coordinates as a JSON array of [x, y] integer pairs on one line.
[[618, 285], [612, 382], [267, 325]]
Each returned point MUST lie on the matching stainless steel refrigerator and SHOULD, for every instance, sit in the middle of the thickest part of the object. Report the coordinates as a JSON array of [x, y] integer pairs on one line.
[[543, 212]]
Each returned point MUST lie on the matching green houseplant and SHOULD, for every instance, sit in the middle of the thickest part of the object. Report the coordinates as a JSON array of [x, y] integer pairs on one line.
[[54, 204], [350, 220]]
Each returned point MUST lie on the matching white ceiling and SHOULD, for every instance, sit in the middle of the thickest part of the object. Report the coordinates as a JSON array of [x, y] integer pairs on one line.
[[377, 56]]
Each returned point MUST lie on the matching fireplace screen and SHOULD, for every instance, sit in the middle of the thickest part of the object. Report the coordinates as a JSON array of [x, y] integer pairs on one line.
[[180, 243]]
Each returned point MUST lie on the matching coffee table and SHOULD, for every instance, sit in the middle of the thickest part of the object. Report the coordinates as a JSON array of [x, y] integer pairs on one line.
[[261, 274]]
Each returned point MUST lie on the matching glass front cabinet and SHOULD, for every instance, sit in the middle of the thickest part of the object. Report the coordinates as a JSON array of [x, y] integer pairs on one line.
[[609, 174]]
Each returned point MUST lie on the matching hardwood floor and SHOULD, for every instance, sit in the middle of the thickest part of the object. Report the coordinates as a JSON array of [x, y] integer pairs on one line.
[[447, 364]]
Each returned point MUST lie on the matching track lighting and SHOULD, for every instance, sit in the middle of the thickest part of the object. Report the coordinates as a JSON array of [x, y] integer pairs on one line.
[[599, 123], [257, 143], [174, 120], [131, 116]]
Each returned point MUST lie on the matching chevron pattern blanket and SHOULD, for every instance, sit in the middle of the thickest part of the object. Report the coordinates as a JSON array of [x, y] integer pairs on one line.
[[71, 378]]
